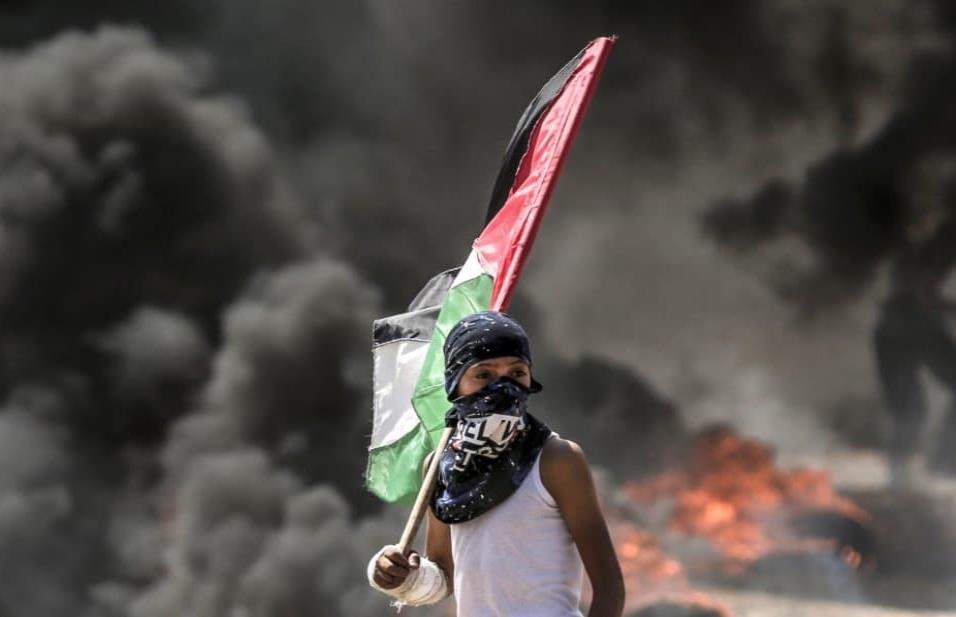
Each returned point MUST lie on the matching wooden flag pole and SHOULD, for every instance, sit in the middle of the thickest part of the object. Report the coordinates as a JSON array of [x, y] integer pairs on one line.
[[424, 493]]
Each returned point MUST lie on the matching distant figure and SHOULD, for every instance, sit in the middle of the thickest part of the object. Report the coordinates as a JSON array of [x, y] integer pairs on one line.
[[911, 334]]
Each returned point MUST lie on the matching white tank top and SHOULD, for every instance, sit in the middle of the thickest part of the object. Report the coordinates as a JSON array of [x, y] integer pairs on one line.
[[517, 559]]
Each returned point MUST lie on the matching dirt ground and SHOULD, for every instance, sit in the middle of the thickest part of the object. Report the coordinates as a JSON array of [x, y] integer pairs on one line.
[[758, 604]]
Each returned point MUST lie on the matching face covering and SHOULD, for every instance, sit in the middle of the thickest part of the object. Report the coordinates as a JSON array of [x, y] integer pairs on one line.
[[494, 447], [488, 421]]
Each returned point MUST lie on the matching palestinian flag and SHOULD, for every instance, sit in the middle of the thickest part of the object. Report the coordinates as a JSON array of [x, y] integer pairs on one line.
[[408, 379]]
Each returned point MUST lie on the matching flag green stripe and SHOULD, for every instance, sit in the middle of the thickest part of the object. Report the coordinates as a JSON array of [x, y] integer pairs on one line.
[[430, 401], [394, 471]]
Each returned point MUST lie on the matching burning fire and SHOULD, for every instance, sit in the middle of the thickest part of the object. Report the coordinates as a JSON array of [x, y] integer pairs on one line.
[[653, 578], [727, 508]]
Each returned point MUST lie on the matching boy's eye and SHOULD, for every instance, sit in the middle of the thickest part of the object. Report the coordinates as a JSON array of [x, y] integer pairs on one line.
[[482, 375], [519, 372]]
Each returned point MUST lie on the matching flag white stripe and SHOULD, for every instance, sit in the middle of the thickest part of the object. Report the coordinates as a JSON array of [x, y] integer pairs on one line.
[[396, 366], [471, 269]]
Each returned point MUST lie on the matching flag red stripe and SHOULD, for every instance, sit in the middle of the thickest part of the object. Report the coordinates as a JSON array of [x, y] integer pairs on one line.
[[504, 244]]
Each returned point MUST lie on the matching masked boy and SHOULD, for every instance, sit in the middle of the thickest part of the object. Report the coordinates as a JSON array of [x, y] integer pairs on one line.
[[514, 518]]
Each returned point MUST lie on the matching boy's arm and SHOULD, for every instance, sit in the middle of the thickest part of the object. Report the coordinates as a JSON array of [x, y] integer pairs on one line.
[[566, 475], [389, 570]]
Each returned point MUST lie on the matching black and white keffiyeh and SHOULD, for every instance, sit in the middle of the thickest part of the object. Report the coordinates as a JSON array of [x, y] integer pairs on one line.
[[495, 445], [496, 441]]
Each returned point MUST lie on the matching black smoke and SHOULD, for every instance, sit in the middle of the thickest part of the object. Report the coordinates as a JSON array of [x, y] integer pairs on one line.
[[854, 208], [162, 292]]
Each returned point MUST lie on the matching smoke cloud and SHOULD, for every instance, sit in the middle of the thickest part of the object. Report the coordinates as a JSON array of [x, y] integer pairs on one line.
[[179, 362]]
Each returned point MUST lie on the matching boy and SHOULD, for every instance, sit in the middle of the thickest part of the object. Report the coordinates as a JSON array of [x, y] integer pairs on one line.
[[514, 515]]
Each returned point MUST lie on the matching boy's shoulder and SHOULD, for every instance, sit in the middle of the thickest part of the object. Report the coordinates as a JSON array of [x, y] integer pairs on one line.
[[562, 461], [558, 449]]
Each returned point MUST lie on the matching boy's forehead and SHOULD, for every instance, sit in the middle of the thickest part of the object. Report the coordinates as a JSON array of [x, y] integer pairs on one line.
[[499, 360], [507, 360]]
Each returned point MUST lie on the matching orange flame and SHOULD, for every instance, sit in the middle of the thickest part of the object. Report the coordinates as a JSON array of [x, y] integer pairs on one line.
[[731, 504]]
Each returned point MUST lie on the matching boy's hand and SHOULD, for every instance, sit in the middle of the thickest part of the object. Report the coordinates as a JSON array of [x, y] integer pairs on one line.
[[392, 567]]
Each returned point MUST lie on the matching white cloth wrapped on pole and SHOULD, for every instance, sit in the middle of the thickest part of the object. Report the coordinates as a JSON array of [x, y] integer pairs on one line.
[[425, 584]]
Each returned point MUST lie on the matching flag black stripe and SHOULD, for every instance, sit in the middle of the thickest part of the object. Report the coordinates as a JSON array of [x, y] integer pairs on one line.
[[519, 140], [417, 325], [419, 322]]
